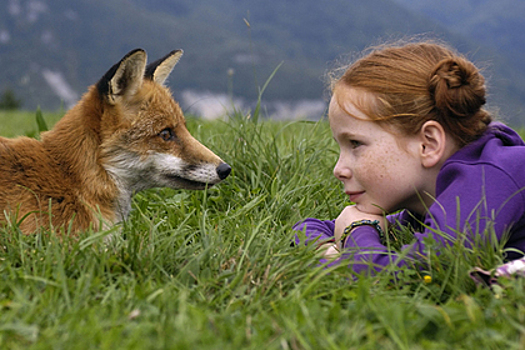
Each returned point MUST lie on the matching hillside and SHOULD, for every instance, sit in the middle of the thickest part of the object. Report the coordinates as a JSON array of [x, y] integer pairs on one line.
[[52, 50], [497, 24]]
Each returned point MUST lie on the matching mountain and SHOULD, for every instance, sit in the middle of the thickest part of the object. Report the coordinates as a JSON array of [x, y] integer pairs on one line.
[[51, 50]]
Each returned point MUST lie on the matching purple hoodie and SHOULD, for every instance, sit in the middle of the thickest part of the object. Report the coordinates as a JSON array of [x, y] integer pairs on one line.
[[479, 186]]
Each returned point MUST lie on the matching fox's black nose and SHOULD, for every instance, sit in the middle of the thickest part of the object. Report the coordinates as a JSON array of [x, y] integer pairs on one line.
[[223, 170]]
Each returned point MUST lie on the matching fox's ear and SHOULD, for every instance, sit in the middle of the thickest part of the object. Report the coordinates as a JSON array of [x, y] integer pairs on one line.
[[125, 78], [159, 70]]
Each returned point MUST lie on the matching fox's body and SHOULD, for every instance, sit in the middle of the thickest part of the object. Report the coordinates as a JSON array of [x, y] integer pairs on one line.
[[125, 135]]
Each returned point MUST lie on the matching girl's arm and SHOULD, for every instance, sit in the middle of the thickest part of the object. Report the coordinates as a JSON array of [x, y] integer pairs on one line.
[[321, 231]]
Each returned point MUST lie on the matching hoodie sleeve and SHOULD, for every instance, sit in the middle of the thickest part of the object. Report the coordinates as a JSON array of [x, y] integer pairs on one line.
[[315, 230], [323, 231]]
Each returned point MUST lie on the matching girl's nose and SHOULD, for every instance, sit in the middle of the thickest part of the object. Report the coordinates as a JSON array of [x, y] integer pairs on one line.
[[341, 171]]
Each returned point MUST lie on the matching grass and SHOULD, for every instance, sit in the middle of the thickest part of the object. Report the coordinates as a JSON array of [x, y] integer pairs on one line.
[[215, 269], [14, 123]]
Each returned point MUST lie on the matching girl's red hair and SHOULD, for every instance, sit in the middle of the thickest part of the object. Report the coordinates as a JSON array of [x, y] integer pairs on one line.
[[417, 82]]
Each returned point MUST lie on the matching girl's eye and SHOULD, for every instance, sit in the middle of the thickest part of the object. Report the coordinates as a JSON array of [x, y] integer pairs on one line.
[[355, 144], [167, 134]]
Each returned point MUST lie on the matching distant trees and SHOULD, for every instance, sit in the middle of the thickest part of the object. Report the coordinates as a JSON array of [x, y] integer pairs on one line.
[[8, 100]]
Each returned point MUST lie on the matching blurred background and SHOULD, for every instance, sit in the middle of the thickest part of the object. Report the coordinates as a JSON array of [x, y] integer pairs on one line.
[[52, 50]]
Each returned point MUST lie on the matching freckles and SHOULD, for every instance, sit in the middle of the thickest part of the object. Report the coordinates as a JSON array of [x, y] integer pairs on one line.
[[382, 164], [373, 168]]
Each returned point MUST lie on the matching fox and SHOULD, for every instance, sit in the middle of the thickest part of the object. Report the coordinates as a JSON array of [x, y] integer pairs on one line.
[[126, 134]]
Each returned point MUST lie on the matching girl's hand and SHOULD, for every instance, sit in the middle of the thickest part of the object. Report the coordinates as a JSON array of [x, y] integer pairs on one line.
[[351, 214], [330, 250]]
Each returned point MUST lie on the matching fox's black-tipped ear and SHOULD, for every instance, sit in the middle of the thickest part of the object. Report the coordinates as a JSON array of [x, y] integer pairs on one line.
[[159, 70], [125, 78]]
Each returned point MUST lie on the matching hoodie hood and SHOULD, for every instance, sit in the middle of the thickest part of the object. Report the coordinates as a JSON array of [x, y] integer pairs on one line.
[[507, 136], [489, 145]]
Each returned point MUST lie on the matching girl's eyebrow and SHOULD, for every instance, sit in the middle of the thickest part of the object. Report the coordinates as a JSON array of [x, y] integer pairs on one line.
[[345, 136], [348, 134]]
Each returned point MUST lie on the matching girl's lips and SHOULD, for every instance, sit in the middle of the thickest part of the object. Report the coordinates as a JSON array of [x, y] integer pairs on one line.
[[354, 195]]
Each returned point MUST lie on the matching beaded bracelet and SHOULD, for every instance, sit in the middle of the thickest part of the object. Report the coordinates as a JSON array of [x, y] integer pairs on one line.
[[355, 224]]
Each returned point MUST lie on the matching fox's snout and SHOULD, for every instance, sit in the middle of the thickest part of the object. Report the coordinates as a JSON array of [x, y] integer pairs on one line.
[[154, 148]]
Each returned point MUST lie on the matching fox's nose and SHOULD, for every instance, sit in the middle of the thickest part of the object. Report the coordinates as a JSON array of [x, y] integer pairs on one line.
[[223, 170]]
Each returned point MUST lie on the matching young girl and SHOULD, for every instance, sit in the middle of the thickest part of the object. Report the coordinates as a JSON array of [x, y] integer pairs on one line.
[[415, 141]]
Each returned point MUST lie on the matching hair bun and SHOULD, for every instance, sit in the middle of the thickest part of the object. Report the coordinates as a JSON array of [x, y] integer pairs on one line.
[[457, 88]]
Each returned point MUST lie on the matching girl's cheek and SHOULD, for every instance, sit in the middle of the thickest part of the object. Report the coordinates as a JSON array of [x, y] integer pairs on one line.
[[373, 167]]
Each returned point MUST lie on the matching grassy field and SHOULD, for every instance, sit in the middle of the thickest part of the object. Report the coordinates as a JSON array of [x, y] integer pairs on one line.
[[215, 269]]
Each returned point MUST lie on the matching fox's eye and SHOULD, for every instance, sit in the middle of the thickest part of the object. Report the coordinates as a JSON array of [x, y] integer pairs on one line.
[[167, 134]]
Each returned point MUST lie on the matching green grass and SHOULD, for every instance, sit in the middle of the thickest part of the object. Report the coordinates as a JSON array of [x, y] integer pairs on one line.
[[15, 123], [215, 269]]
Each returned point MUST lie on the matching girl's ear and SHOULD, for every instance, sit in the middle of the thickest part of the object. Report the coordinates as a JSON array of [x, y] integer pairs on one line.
[[433, 149]]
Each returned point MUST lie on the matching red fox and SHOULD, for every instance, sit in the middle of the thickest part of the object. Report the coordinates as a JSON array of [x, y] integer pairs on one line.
[[125, 135]]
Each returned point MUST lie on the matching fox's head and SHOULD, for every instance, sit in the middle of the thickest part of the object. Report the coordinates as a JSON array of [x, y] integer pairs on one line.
[[144, 139]]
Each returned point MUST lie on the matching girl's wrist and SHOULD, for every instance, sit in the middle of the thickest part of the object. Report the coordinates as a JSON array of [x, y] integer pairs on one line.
[[350, 228], [326, 243]]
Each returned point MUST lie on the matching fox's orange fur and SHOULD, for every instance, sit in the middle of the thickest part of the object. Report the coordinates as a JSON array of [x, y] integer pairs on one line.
[[126, 134]]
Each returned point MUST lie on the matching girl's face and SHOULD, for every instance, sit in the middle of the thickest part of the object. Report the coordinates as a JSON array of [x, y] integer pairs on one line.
[[381, 170]]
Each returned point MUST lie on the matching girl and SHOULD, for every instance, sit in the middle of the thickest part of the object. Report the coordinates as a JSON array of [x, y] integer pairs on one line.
[[415, 140]]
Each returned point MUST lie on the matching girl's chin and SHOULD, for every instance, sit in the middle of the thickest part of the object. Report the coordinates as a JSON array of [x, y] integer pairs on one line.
[[369, 209]]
